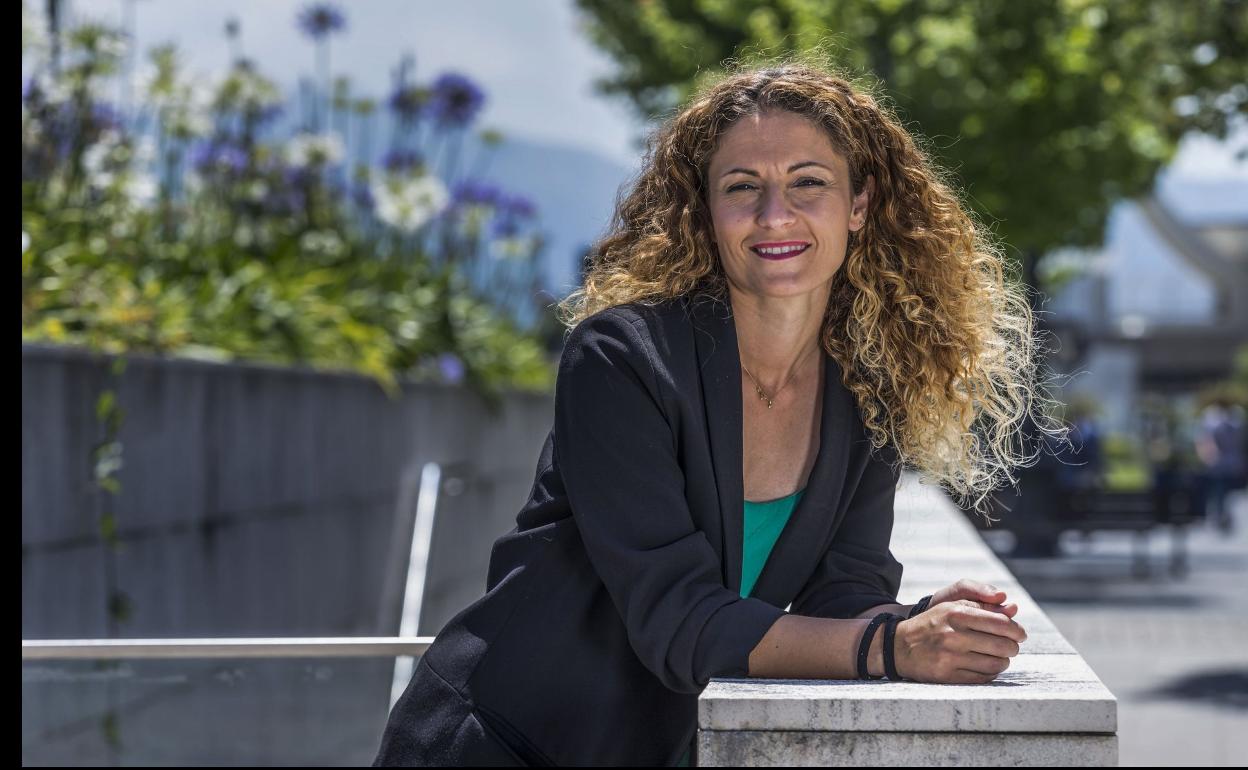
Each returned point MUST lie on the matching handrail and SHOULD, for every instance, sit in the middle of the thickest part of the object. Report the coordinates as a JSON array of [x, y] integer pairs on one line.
[[417, 573], [259, 647], [404, 648]]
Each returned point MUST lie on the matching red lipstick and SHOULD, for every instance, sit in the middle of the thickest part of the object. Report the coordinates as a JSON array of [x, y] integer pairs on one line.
[[779, 249]]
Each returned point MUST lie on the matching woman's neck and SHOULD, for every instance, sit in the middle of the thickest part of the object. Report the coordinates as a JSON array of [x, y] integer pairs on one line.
[[778, 336]]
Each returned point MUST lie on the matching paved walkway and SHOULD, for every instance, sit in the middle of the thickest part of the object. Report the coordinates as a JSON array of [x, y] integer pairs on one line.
[[1174, 651]]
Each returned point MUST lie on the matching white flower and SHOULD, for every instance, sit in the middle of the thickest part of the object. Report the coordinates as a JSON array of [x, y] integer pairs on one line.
[[517, 247], [256, 191], [145, 151], [140, 189], [113, 44], [240, 89], [142, 80], [322, 242], [407, 203], [192, 183], [54, 91], [244, 236], [314, 150], [473, 217], [200, 91], [96, 157], [25, 241]]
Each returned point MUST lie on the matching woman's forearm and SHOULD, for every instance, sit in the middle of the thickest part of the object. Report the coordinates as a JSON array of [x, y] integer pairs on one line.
[[800, 647]]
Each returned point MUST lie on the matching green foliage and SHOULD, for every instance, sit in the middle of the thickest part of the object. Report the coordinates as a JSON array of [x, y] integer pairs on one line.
[[1134, 476], [1233, 391], [1126, 467], [1048, 111]]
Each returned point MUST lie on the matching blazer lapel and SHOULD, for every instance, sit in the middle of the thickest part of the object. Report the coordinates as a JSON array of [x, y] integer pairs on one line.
[[715, 338], [803, 540], [800, 544]]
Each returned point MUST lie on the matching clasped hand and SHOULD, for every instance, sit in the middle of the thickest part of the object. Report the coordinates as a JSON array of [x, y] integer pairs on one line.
[[967, 635]]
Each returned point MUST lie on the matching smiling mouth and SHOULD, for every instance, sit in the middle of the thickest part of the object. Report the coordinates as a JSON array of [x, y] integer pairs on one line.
[[778, 253]]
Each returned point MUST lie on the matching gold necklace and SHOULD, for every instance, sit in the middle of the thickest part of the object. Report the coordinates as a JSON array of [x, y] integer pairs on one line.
[[759, 388]]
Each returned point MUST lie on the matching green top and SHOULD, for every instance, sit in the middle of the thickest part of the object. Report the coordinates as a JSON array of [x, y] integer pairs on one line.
[[763, 523]]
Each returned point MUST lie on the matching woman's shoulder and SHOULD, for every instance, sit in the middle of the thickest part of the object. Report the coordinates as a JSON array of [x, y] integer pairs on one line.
[[658, 320]]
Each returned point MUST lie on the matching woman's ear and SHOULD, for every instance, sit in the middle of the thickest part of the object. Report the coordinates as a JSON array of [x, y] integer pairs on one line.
[[858, 215]]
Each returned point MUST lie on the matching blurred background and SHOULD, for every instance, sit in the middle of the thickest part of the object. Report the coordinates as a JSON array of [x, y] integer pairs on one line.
[[288, 275]]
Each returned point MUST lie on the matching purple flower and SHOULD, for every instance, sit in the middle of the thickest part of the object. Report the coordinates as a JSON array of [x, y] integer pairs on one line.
[[455, 100], [397, 161], [363, 197], [208, 157], [298, 177], [321, 20], [32, 93], [505, 227], [408, 102], [104, 117], [512, 209], [284, 201], [520, 207], [452, 367], [471, 192]]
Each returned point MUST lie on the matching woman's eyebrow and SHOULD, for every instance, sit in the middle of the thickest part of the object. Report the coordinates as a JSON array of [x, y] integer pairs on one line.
[[792, 168]]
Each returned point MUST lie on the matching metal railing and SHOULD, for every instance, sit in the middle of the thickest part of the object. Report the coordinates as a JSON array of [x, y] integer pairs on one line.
[[278, 647], [404, 648]]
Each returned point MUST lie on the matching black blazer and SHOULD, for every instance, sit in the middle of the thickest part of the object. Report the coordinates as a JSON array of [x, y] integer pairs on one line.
[[616, 597]]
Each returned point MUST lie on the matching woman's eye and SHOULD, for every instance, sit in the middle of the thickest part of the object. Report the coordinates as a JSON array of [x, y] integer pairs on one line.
[[800, 182]]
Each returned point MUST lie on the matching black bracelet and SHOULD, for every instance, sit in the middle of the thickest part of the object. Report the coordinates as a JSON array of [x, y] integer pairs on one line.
[[890, 663], [864, 646], [920, 606]]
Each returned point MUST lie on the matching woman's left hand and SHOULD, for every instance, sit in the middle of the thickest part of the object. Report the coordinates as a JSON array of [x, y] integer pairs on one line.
[[988, 597]]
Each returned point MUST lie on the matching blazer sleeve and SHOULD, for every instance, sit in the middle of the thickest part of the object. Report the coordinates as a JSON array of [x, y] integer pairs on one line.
[[617, 457], [858, 570]]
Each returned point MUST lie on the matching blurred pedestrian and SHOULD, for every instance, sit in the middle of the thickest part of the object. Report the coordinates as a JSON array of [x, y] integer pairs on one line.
[[1220, 445]]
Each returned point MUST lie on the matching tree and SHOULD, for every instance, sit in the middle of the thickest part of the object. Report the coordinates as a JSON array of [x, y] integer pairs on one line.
[[1047, 111]]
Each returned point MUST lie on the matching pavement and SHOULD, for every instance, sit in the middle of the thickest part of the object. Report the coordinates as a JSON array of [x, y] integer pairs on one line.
[[1172, 648]]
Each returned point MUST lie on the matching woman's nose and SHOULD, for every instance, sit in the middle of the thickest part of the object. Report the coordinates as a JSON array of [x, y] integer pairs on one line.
[[776, 211]]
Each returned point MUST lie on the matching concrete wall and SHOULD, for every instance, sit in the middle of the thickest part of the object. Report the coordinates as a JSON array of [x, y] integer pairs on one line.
[[257, 500]]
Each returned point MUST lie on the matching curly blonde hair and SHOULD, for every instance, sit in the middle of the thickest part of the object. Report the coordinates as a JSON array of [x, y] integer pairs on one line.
[[936, 342]]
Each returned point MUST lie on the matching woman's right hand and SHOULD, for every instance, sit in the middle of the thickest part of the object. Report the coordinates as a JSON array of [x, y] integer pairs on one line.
[[957, 642]]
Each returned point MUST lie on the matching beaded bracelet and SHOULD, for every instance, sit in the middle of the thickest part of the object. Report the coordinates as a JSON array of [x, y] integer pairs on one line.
[[920, 606], [890, 663], [864, 646]]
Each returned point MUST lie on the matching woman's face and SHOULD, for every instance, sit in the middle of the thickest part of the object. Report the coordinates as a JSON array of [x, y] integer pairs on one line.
[[776, 182]]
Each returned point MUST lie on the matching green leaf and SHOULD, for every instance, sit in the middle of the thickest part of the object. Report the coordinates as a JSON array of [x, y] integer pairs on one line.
[[104, 404], [108, 527]]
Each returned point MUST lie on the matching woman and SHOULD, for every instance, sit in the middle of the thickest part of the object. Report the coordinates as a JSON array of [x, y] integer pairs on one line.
[[789, 306]]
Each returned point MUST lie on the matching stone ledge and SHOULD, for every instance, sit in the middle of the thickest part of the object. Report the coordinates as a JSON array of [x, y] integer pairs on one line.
[[1048, 708], [1038, 693], [822, 749]]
